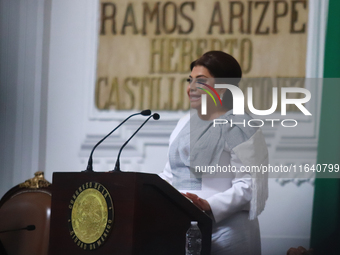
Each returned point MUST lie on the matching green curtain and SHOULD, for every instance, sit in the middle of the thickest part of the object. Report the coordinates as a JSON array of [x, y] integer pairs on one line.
[[325, 235]]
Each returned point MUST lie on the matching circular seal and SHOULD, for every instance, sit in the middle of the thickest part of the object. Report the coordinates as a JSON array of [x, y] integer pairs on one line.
[[91, 215]]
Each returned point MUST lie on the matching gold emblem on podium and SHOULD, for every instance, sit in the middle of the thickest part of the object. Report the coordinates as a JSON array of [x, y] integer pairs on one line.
[[91, 215]]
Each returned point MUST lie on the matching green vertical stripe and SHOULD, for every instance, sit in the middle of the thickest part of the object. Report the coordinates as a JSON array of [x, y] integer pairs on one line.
[[326, 208]]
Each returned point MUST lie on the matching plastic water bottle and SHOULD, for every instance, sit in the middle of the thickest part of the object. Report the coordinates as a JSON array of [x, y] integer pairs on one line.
[[193, 243]]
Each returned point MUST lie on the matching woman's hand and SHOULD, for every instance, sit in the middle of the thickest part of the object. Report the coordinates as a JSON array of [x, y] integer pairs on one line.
[[199, 202]]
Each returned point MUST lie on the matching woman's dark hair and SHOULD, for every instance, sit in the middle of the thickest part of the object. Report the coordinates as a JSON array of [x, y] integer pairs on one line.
[[221, 65]]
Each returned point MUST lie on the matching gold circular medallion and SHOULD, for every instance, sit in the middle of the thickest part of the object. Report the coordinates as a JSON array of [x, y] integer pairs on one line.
[[91, 215]]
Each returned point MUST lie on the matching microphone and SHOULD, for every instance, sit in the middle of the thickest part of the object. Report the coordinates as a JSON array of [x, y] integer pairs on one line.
[[89, 167], [117, 166], [28, 228]]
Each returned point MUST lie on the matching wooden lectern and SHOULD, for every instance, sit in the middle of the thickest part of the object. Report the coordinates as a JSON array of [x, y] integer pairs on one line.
[[121, 213]]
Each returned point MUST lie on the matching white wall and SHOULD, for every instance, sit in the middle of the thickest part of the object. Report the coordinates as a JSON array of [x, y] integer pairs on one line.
[[23, 53], [48, 119]]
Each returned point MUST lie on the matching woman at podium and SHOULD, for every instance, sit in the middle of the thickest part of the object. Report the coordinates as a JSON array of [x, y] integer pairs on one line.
[[211, 150]]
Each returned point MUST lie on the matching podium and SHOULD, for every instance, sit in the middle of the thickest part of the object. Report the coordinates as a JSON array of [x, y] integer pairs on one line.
[[121, 213]]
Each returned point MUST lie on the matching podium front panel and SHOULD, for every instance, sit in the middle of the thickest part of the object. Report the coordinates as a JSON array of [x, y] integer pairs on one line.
[[149, 216]]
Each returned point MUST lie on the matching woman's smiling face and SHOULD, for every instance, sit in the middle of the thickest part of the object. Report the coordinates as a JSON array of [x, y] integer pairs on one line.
[[199, 75]]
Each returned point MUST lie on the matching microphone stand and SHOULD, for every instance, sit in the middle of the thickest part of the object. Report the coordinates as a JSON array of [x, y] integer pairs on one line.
[[28, 228], [117, 166], [89, 167]]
